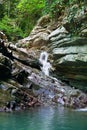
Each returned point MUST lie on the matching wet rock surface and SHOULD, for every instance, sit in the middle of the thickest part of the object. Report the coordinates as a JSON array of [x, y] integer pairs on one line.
[[29, 87]]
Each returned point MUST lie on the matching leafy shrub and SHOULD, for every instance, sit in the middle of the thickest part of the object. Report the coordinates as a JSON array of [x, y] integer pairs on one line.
[[9, 27], [55, 8], [29, 11]]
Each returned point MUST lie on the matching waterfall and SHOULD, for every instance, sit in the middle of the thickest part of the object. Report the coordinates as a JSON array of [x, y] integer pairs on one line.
[[46, 66]]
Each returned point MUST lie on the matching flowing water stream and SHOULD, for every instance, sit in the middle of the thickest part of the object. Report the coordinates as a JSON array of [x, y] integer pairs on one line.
[[46, 66], [44, 118]]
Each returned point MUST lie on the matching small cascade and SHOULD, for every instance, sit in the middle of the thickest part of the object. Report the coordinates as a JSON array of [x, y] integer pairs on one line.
[[46, 66], [50, 90]]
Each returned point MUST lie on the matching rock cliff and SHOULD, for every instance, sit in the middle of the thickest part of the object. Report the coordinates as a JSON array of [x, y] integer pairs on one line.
[[68, 44], [66, 41], [23, 85]]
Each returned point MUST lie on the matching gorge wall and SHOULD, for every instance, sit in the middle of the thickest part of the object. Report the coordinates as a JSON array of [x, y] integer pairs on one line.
[[24, 84], [66, 42]]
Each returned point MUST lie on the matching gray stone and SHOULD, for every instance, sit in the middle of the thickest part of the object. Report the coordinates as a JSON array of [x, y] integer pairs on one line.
[[84, 33], [60, 30], [68, 44], [70, 50]]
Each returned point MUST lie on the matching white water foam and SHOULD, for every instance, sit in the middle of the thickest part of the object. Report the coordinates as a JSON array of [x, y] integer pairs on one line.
[[82, 109], [46, 66]]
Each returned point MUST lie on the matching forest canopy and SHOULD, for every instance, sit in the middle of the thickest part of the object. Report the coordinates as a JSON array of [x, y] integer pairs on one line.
[[18, 17]]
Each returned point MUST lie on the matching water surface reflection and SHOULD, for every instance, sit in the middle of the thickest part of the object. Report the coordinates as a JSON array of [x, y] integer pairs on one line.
[[44, 118]]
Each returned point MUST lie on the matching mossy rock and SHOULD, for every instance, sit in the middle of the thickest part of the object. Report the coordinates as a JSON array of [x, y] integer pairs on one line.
[[4, 97]]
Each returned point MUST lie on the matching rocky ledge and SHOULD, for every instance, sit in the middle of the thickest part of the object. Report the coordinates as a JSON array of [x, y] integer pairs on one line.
[[70, 51], [24, 85]]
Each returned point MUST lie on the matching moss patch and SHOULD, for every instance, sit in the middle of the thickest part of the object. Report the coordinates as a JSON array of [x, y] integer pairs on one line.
[[4, 97]]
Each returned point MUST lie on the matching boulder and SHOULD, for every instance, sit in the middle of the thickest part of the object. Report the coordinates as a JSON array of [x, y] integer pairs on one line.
[[36, 39], [38, 36], [5, 67], [3, 36]]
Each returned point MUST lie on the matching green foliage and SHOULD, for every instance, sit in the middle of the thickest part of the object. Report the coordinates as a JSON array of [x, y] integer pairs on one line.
[[29, 11], [55, 8], [1, 11], [9, 27], [18, 17], [75, 25], [5, 96]]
